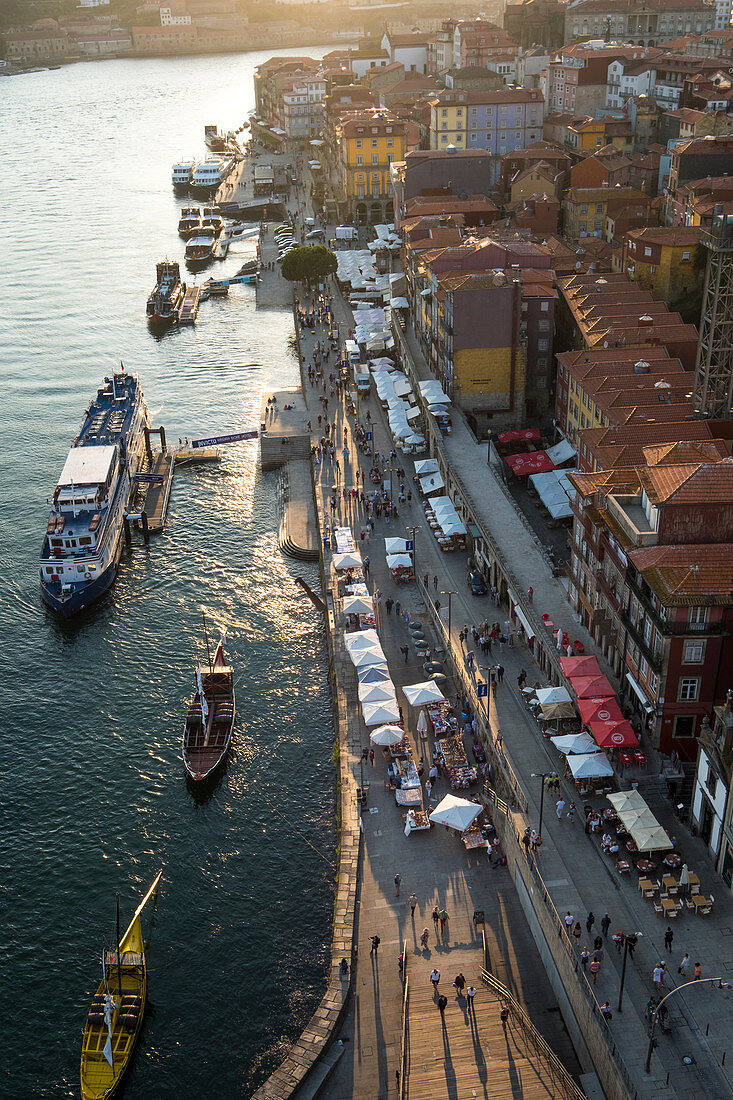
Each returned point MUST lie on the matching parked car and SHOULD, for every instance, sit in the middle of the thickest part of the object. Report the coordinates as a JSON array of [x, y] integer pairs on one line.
[[477, 584]]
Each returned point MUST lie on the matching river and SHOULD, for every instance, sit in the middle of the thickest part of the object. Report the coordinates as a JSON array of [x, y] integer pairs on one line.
[[95, 799]]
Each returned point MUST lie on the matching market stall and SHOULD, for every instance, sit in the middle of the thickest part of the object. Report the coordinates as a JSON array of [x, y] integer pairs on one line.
[[419, 694], [400, 568], [416, 821], [456, 813], [589, 768], [461, 774]]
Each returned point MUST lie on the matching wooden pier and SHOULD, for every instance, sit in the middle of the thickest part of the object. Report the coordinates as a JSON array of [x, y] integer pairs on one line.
[[190, 306], [157, 497]]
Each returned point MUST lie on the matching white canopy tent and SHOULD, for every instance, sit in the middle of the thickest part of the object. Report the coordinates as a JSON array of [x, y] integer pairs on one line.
[[626, 800], [589, 766], [373, 674], [417, 694], [362, 639], [456, 813], [376, 714], [399, 561], [377, 693], [431, 484], [426, 466], [363, 657], [574, 743], [395, 546], [553, 695], [358, 605], [350, 560]]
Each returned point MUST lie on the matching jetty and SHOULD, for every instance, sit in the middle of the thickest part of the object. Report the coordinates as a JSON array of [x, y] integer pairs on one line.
[[190, 306], [159, 478]]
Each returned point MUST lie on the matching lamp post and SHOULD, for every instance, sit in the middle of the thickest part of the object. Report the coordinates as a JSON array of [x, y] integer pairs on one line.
[[542, 776], [695, 981], [413, 531], [637, 936], [450, 593]]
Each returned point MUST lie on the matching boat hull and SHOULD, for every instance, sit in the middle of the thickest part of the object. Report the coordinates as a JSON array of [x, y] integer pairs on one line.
[[192, 763], [85, 596]]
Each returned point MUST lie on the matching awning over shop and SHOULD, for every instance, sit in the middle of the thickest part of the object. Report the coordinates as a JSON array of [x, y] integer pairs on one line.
[[431, 484], [562, 452], [592, 687], [639, 694], [554, 489], [426, 466], [531, 462], [530, 630]]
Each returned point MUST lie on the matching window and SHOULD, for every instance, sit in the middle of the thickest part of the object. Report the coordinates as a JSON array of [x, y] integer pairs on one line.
[[375, 158], [694, 653], [359, 143], [374, 143], [544, 306], [653, 683], [359, 159], [647, 251], [711, 782], [697, 618], [643, 668], [542, 345], [688, 689], [684, 725], [685, 255], [543, 326], [390, 143]]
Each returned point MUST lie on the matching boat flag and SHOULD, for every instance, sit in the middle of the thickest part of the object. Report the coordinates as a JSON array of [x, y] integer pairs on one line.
[[202, 697]]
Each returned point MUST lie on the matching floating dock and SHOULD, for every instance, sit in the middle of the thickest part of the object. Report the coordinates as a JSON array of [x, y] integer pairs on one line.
[[163, 464], [190, 306]]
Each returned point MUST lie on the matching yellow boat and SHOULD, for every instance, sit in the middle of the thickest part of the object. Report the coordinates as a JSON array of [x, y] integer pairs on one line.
[[116, 1015]]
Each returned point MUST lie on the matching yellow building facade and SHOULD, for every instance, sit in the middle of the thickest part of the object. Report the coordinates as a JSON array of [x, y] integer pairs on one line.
[[664, 260], [368, 143]]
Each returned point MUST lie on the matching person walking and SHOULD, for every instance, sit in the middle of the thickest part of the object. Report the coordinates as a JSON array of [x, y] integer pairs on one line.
[[698, 971], [526, 840], [397, 881], [632, 939], [371, 758], [590, 920], [658, 976], [424, 938], [375, 945], [459, 984], [470, 994], [684, 965], [569, 921], [504, 1016], [559, 807], [605, 925], [405, 651], [668, 938], [442, 1004], [413, 903], [577, 933], [435, 978], [584, 957], [595, 967], [443, 919], [436, 917]]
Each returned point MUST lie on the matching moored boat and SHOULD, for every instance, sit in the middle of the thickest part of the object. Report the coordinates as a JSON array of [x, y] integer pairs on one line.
[[209, 724], [83, 542], [189, 221], [181, 174], [207, 176], [115, 1018], [167, 294], [200, 249]]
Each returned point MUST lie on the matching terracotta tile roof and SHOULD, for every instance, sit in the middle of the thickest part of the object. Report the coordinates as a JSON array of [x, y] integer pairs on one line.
[[688, 575], [676, 236], [681, 451]]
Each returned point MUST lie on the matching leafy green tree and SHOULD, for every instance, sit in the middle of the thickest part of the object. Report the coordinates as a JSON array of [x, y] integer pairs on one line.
[[309, 264]]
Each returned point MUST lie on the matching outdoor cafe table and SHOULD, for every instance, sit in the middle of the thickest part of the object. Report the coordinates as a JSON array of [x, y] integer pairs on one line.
[[646, 886], [631, 846], [645, 865], [700, 902], [694, 880], [610, 815], [670, 882], [672, 860], [668, 905]]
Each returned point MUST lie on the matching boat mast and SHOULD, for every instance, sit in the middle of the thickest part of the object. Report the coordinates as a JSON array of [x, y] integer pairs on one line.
[[206, 638], [119, 964]]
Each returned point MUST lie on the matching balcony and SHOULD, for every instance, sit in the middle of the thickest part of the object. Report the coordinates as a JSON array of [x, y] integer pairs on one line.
[[607, 591], [653, 656], [633, 520]]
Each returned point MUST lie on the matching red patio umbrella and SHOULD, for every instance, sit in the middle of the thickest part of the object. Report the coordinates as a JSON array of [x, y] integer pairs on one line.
[[530, 462], [599, 711], [580, 666], [516, 434], [614, 735], [591, 687]]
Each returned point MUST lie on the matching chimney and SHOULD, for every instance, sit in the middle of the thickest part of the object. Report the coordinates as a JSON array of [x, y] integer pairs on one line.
[[642, 367], [645, 321]]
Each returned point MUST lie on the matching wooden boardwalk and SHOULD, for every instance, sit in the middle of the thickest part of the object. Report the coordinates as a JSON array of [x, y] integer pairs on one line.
[[468, 1055], [157, 496]]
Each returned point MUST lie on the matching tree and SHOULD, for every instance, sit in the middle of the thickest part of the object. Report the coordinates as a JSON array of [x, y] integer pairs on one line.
[[309, 264]]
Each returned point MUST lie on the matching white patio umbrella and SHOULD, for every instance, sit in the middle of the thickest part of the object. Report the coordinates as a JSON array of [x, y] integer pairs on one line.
[[373, 674], [422, 723], [361, 639], [363, 657], [394, 561], [387, 735], [358, 605], [457, 813], [426, 466], [376, 714], [651, 840], [395, 546], [350, 560], [574, 742], [553, 695], [417, 694], [589, 766], [627, 800], [377, 693]]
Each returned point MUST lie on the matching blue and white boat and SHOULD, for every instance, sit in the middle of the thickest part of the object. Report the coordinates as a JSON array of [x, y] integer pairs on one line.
[[84, 537]]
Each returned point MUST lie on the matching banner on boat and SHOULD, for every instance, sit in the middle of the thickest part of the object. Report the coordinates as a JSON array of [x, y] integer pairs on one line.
[[214, 440], [150, 479]]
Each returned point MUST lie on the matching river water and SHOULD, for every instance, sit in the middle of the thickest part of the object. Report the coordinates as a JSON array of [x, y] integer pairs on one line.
[[94, 798]]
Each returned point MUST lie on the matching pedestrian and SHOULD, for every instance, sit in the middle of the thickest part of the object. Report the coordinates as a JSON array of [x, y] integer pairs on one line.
[[632, 939], [595, 967], [499, 738], [522, 679], [618, 938], [435, 583], [436, 917], [424, 938], [428, 789], [405, 651], [569, 921], [371, 757], [365, 565], [493, 689], [559, 807], [443, 919], [590, 920], [584, 957], [577, 933], [598, 945], [435, 977], [698, 971], [606, 1011], [605, 924], [570, 815], [343, 968], [504, 1016], [397, 881], [365, 754], [658, 976], [470, 994], [668, 937], [684, 965], [526, 841], [442, 1004], [375, 945], [413, 903], [460, 983]]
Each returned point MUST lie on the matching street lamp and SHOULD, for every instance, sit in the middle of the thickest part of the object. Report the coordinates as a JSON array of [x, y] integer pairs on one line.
[[413, 531], [450, 593], [637, 936], [695, 981], [542, 776]]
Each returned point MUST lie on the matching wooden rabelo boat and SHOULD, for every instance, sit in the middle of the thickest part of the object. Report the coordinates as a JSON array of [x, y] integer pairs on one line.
[[210, 719], [115, 1018]]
